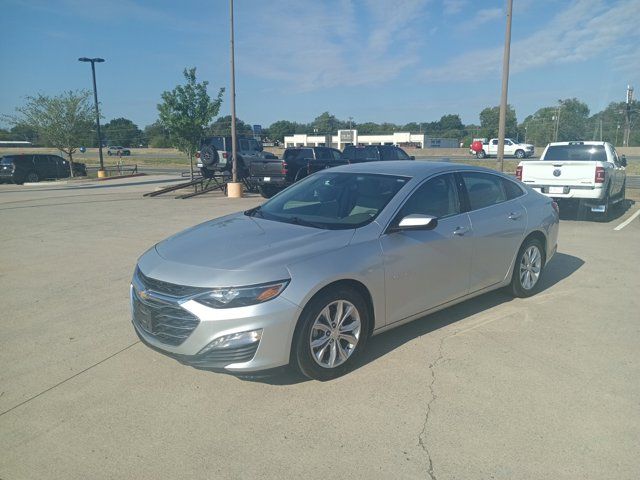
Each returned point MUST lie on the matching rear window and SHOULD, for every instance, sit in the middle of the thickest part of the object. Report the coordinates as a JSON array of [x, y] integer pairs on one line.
[[593, 153], [9, 159], [217, 142], [6, 160], [361, 154], [298, 153]]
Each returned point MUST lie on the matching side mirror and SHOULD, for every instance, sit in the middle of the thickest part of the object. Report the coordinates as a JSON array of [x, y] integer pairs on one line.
[[623, 160], [416, 221]]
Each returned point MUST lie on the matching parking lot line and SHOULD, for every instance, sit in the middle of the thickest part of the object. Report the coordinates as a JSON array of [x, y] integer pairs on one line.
[[627, 221]]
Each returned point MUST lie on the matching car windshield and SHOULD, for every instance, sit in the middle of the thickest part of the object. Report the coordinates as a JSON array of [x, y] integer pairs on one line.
[[594, 153], [332, 200]]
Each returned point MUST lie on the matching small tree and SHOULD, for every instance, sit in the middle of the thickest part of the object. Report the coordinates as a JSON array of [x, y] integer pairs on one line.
[[62, 122], [186, 111]]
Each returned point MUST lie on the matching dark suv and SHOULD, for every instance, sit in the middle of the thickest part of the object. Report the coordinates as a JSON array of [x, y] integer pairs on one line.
[[374, 153], [215, 155], [35, 167]]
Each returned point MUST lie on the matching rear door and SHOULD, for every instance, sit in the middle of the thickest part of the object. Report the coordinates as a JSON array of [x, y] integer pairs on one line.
[[498, 221], [45, 166]]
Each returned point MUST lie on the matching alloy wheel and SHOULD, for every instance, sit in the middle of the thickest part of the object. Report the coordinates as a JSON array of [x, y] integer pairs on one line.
[[335, 334], [530, 267]]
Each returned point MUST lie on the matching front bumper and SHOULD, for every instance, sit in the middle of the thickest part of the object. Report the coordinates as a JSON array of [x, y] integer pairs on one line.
[[276, 319]]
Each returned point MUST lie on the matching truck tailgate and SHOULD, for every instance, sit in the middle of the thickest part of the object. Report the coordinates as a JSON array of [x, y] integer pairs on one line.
[[266, 168], [565, 173]]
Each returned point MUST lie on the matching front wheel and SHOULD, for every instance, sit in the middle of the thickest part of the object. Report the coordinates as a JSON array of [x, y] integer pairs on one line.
[[520, 154], [481, 154], [332, 332], [527, 269]]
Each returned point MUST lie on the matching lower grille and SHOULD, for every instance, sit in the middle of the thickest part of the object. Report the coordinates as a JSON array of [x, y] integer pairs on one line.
[[168, 323]]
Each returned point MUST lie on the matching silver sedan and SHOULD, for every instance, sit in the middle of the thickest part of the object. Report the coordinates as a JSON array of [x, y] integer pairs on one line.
[[349, 252]]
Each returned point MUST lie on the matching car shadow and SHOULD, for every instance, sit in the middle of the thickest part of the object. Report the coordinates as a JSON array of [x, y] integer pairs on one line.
[[561, 266], [572, 213]]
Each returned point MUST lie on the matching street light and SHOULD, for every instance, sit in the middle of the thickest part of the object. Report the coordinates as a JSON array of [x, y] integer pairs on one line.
[[93, 61]]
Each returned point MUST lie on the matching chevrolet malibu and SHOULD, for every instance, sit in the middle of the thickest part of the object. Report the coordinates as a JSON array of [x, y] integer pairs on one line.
[[309, 276]]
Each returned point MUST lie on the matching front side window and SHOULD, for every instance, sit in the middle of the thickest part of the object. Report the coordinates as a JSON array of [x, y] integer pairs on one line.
[[389, 153], [483, 189], [437, 197], [332, 200], [402, 155], [494, 142]]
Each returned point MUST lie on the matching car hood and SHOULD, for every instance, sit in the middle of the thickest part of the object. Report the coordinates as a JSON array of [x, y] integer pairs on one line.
[[237, 249]]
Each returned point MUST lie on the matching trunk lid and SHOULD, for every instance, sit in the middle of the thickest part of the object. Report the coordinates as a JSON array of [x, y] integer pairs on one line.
[[565, 173]]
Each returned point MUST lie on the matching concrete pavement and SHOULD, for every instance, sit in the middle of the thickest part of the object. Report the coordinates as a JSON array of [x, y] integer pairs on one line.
[[545, 387]]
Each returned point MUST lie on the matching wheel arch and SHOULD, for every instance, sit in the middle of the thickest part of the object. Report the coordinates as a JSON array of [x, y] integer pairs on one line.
[[542, 238]]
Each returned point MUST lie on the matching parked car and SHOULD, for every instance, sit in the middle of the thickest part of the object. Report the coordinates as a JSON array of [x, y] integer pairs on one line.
[[214, 155], [271, 175], [118, 151], [589, 175], [306, 278], [374, 153], [35, 167], [511, 148]]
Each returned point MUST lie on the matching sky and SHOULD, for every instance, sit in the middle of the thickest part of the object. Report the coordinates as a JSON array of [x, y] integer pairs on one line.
[[373, 60]]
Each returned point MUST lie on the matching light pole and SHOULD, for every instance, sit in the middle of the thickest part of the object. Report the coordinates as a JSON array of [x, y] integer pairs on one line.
[[615, 144], [234, 189], [505, 86], [95, 101]]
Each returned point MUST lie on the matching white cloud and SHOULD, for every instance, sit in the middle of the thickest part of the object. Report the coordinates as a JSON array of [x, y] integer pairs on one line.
[[452, 7], [314, 45], [584, 30]]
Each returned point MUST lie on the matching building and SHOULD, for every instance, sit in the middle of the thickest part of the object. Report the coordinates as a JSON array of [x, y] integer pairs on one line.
[[351, 137]]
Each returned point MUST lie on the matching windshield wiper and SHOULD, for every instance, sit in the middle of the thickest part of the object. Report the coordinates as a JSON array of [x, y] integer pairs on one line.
[[305, 223]]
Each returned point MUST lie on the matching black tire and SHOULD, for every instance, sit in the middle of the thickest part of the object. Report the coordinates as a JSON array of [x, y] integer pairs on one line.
[[302, 356], [108, 153], [31, 177], [520, 154], [518, 286], [209, 157], [267, 191], [481, 154]]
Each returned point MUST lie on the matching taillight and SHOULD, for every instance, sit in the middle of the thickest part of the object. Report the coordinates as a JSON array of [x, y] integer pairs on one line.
[[555, 206], [600, 174], [225, 155], [284, 170], [519, 172], [198, 154]]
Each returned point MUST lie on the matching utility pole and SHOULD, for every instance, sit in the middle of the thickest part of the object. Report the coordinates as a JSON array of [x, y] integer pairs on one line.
[[505, 86], [93, 61], [555, 136], [627, 127]]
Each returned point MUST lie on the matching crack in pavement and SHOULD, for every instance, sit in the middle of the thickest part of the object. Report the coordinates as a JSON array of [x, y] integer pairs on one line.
[[422, 437]]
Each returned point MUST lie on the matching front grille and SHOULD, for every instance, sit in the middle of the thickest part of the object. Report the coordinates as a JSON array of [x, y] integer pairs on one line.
[[167, 322], [166, 288]]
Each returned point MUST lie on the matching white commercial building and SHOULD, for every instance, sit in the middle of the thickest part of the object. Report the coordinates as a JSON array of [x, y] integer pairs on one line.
[[351, 137]]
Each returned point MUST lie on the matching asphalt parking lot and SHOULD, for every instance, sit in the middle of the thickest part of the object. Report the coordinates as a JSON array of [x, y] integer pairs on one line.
[[545, 387]]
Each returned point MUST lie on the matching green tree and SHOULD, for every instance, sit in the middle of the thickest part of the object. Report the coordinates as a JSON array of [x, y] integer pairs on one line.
[[156, 136], [489, 121], [570, 117], [63, 121], [278, 130], [222, 126], [325, 123], [613, 120], [368, 128], [122, 132], [186, 111]]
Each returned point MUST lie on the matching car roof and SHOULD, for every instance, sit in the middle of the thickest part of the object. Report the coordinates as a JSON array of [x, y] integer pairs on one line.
[[577, 142], [410, 168]]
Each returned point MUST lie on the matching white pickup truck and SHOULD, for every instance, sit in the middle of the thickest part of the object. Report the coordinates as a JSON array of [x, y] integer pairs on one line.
[[588, 174], [511, 149]]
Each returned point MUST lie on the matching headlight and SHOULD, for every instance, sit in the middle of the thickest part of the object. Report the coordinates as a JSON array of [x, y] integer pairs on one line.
[[232, 297]]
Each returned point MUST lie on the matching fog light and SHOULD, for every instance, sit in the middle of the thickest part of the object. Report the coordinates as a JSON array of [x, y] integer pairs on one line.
[[233, 340]]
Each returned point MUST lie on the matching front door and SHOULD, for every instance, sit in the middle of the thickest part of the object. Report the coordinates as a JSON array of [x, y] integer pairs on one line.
[[424, 269]]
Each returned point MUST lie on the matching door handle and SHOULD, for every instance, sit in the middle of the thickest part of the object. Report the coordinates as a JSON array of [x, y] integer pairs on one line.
[[460, 231], [515, 215]]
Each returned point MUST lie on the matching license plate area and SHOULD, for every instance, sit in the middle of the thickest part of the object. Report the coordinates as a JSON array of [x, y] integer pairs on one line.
[[267, 179], [558, 190]]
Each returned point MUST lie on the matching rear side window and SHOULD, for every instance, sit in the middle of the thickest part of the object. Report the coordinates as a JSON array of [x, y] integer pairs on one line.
[[512, 189], [593, 153], [483, 189]]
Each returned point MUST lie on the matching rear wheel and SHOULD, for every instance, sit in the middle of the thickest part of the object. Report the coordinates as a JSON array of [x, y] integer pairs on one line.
[[332, 332], [32, 177], [527, 269], [481, 154]]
